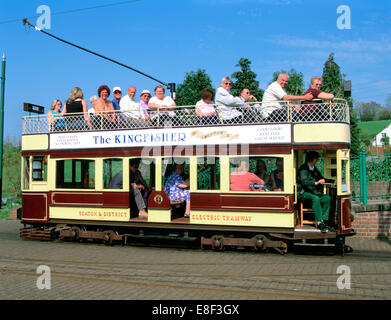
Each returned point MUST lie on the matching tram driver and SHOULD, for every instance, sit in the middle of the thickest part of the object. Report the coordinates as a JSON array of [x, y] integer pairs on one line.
[[310, 184]]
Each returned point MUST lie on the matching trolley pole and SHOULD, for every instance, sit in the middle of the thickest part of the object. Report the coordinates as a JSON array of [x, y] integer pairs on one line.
[[2, 124]]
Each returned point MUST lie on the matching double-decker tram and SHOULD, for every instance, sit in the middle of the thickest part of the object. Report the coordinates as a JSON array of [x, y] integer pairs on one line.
[[176, 176]]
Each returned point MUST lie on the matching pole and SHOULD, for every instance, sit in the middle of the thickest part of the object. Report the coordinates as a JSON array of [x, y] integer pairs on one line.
[[363, 178], [2, 124]]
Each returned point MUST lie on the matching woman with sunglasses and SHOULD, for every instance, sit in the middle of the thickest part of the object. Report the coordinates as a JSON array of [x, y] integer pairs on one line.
[[227, 104]]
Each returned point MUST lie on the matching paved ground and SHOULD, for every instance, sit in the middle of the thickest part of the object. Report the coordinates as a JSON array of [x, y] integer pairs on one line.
[[90, 271]]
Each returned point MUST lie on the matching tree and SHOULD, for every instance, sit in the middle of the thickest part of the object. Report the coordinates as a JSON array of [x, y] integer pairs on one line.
[[332, 78], [188, 92], [368, 111], [245, 78], [11, 172], [295, 85], [333, 82]]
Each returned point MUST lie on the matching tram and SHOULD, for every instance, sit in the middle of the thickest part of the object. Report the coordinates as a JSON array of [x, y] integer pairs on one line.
[[68, 190]]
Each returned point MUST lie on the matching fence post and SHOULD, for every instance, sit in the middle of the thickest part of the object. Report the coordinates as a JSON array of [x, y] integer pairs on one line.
[[363, 178]]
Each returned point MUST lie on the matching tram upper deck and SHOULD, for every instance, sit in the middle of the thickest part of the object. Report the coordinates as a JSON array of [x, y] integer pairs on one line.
[[318, 123]]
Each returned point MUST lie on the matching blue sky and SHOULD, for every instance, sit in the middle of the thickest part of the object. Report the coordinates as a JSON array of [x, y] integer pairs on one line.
[[166, 39]]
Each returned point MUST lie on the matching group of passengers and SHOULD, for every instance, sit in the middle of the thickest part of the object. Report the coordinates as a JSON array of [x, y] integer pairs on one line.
[[125, 111]]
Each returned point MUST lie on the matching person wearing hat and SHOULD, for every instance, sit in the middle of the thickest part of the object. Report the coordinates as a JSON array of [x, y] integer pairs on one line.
[[117, 93], [145, 96]]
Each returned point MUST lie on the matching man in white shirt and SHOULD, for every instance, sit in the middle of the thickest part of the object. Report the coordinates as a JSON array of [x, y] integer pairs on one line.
[[129, 107], [228, 104], [274, 96]]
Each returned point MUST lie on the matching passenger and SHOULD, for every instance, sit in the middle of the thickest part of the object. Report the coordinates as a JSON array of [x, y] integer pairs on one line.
[[145, 96], [164, 107], [104, 109], [76, 104], [277, 176], [131, 109], [205, 111], [228, 112], [309, 106], [54, 117], [310, 190], [139, 187], [93, 101], [243, 180], [177, 188], [261, 172], [117, 93], [274, 110], [251, 110]]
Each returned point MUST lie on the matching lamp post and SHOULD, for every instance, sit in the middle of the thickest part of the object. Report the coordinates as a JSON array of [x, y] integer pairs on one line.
[[2, 123]]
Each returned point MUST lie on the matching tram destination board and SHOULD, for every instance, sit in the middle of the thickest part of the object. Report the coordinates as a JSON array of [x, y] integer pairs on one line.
[[29, 107], [267, 134]]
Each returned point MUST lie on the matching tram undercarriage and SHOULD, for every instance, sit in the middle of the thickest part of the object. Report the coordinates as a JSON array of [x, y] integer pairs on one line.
[[217, 238]]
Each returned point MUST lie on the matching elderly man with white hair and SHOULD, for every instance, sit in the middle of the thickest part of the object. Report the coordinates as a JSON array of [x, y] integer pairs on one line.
[[272, 103], [228, 104]]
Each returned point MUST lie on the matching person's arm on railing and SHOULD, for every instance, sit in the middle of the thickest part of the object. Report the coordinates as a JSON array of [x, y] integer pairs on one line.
[[85, 112]]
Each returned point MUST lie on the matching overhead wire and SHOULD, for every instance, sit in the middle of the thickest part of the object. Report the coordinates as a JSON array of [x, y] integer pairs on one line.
[[74, 10], [25, 21]]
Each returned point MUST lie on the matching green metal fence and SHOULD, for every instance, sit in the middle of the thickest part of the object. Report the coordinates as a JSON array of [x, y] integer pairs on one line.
[[370, 177]]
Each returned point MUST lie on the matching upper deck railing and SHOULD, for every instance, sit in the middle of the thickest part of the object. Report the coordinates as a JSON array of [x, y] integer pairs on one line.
[[187, 116]]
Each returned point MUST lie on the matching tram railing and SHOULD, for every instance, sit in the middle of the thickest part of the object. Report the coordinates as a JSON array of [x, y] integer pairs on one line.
[[247, 113]]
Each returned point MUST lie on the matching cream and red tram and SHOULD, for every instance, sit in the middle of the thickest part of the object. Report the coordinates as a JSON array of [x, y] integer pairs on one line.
[[67, 174]]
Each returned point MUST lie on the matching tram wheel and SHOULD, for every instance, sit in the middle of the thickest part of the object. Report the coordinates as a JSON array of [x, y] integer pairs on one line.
[[217, 243], [75, 233], [108, 237]]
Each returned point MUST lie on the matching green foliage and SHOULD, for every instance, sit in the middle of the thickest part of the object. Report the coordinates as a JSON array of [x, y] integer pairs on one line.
[[333, 81], [332, 78], [188, 92], [295, 85], [245, 78], [11, 169]]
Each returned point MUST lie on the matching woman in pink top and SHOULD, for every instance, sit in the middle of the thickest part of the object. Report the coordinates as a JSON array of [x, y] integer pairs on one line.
[[243, 180], [205, 111]]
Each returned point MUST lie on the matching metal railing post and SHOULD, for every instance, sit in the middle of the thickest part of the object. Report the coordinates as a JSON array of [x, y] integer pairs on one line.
[[363, 178]]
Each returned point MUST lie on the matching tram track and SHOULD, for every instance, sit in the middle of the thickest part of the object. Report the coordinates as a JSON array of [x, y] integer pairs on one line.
[[289, 285]]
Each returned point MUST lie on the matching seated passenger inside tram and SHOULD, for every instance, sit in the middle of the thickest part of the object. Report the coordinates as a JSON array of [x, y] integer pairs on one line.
[[177, 188], [261, 172], [138, 187], [243, 180], [277, 176]]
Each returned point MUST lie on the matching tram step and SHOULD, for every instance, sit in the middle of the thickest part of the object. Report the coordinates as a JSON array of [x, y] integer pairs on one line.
[[36, 234]]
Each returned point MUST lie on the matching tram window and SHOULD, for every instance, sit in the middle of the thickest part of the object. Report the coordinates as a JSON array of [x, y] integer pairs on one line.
[[147, 169], [112, 174], [26, 173], [246, 173], [75, 174], [208, 173], [39, 168], [168, 166]]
